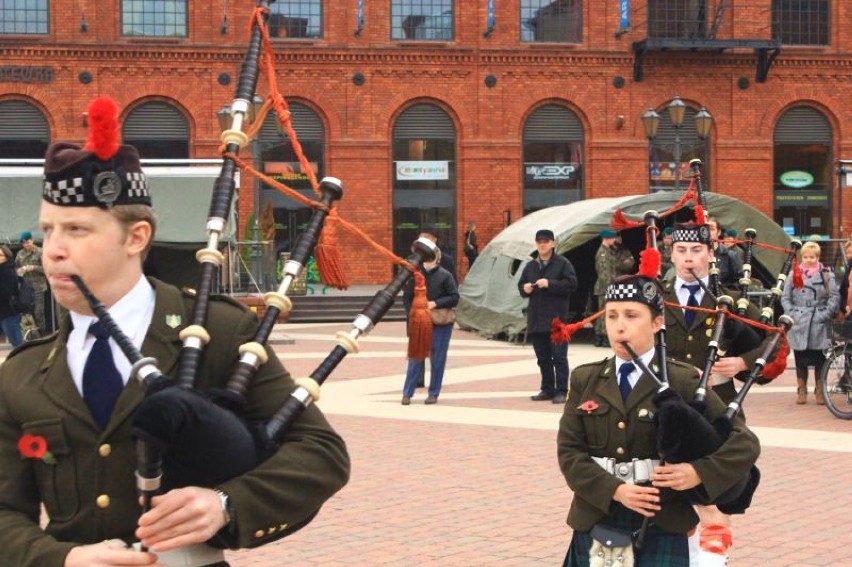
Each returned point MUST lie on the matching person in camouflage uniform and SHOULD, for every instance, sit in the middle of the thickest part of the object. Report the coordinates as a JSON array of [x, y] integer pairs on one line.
[[28, 264], [611, 261], [666, 254]]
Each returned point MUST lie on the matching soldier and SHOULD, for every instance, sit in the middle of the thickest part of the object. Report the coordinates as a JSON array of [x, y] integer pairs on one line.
[[666, 254], [611, 260], [28, 263], [607, 443], [66, 402]]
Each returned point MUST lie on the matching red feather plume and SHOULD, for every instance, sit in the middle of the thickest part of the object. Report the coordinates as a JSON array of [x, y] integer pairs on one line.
[[649, 263], [699, 214], [103, 128]]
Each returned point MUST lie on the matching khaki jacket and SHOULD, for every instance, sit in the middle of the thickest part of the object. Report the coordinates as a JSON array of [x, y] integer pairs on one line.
[[628, 430], [89, 494]]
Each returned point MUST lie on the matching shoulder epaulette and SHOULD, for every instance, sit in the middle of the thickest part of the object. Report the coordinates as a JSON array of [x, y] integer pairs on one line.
[[32, 343]]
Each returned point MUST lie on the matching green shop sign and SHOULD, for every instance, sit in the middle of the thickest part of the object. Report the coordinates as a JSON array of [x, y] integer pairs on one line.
[[796, 179]]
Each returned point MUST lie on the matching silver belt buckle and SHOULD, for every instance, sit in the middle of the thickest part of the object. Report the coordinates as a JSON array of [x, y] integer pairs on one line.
[[624, 471]]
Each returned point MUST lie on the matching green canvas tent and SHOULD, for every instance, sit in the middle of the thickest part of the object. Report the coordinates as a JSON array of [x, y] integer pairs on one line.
[[181, 197], [490, 303]]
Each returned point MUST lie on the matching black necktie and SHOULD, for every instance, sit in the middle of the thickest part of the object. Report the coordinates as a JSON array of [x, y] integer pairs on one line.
[[623, 383], [102, 384], [689, 314]]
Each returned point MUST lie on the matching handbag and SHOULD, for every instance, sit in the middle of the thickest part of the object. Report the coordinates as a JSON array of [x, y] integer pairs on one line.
[[610, 547], [443, 315]]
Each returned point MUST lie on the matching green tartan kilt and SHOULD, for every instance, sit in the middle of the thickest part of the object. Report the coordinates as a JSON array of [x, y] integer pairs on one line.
[[661, 549]]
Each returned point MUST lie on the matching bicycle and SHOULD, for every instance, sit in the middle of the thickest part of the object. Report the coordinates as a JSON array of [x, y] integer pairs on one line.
[[836, 375]]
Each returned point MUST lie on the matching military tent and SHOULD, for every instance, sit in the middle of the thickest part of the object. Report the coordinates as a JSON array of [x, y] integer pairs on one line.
[[490, 303]]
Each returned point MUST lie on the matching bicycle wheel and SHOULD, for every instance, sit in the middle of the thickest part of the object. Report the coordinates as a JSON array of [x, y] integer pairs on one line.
[[836, 382]]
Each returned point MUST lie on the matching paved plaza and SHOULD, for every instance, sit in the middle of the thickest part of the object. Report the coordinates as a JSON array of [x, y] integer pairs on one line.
[[473, 480]]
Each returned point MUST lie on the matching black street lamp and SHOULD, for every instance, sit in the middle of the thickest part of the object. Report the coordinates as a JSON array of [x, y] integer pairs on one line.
[[677, 112]]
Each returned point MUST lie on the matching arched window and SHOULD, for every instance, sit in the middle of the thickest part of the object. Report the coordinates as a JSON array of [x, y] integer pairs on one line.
[[424, 176], [553, 158], [24, 131], [279, 161], [158, 130], [802, 172]]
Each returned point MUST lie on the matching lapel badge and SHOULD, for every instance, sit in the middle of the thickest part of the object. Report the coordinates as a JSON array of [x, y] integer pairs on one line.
[[173, 320], [643, 412], [655, 368]]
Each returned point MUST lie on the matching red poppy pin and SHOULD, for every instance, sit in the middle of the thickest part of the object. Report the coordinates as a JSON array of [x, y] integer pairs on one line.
[[35, 447], [588, 406]]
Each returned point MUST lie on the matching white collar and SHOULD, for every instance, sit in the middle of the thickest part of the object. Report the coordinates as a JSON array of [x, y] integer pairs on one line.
[[129, 313]]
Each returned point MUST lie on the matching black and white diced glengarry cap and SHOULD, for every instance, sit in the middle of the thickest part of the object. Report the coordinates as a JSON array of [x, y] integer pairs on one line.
[[690, 232], [636, 288]]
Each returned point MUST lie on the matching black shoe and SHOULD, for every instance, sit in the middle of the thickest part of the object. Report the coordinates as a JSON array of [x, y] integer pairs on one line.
[[559, 399], [598, 340], [605, 343], [541, 396]]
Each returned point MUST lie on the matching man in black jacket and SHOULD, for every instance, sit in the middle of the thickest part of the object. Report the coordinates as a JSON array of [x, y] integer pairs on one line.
[[548, 280]]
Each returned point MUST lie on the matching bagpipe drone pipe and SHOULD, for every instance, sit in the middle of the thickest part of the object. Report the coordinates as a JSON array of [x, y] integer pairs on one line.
[[189, 437]]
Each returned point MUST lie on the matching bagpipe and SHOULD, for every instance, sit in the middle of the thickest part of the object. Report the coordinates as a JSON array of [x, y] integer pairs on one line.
[[188, 437], [685, 432]]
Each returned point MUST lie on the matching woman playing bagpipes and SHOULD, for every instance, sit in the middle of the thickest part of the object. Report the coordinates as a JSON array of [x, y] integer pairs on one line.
[[607, 444], [66, 403]]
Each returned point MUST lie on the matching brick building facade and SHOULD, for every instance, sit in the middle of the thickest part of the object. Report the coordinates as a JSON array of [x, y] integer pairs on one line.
[[478, 111]]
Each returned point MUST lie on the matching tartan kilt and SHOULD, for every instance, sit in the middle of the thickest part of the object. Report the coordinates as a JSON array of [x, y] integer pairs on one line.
[[662, 549]]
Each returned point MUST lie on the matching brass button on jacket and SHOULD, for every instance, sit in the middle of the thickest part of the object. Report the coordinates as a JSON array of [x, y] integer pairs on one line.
[[102, 501], [105, 450]]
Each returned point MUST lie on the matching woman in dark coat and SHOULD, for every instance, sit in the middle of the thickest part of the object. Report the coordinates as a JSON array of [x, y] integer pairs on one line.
[[10, 320], [442, 292]]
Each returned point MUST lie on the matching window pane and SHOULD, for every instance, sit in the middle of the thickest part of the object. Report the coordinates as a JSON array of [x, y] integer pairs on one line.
[[422, 20], [153, 18], [551, 20], [296, 19], [23, 17], [801, 22]]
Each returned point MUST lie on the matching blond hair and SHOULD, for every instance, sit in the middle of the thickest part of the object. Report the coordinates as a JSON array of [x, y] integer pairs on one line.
[[811, 248]]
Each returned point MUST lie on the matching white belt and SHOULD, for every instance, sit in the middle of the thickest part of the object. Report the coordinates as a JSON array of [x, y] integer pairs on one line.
[[195, 555], [718, 379], [635, 472]]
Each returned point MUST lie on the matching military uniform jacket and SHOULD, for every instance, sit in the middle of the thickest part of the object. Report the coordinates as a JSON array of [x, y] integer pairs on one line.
[[811, 307], [36, 275], [691, 344], [611, 262], [89, 493], [627, 430]]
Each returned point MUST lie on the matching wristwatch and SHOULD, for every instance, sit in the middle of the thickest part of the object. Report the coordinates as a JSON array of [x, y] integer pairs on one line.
[[223, 499]]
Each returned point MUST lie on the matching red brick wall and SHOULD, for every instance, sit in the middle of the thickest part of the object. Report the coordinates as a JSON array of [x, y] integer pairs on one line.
[[489, 121]]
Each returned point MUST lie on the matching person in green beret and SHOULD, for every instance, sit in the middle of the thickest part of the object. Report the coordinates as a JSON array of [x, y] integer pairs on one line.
[[611, 260]]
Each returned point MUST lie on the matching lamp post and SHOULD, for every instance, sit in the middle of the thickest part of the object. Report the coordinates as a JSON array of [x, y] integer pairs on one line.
[[677, 112]]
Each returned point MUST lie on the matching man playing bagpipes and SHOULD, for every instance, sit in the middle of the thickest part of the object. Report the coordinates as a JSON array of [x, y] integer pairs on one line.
[[608, 444], [66, 404]]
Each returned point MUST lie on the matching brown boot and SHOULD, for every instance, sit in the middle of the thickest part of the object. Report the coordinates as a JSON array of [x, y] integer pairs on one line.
[[820, 400], [801, 392]]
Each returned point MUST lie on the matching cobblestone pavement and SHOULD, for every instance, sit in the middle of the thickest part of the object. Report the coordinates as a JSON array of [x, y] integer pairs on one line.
[[473, 480]]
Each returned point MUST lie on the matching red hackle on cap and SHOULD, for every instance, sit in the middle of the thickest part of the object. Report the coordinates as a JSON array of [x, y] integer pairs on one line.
[[102, 116], [649, 263], [562, 332], [327, 254], [419, 321], [798, 278], [774, 369], [699, 213], [620, 222]]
